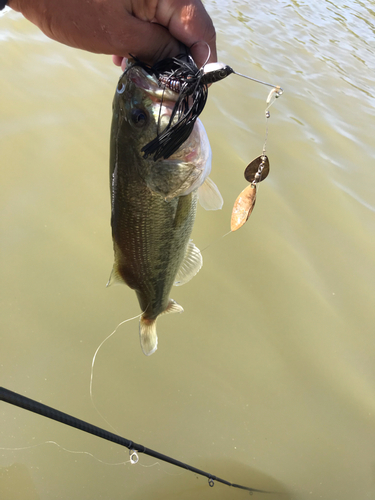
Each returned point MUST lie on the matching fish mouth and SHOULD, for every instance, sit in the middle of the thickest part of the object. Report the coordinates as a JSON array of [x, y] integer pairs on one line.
[[164, 100], [150, 85]]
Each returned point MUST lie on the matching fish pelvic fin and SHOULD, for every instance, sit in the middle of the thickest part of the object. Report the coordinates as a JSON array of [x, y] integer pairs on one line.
[[147, 329], [148, 335]]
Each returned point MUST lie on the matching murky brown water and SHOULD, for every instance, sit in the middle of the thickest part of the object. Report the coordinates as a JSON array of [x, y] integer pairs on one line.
[[268, 378]]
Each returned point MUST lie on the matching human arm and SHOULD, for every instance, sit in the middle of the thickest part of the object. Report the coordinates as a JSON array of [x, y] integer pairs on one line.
[[148, 29]]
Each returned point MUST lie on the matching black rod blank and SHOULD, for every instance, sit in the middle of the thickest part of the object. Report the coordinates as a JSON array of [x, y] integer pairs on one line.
[[46, 411]]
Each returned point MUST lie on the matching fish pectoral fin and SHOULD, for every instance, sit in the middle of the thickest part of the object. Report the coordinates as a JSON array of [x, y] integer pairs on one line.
[[148, 336], [115, 278], [190, 265], [209, 195]]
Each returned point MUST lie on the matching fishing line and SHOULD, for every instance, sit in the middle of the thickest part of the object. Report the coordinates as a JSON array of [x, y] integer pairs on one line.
[[76, 452], [216, 240], [93, 363], [134, 448]]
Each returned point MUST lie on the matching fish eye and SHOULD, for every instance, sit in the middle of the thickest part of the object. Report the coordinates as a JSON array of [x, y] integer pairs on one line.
[[138, 117], [120, 88]]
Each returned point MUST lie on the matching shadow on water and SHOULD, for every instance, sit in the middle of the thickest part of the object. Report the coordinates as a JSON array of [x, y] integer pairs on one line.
[[186, 486], [16, 482]]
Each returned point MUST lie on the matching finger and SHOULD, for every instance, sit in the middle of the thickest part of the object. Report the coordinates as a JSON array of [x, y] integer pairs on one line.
[[189, 22], [117, 60]]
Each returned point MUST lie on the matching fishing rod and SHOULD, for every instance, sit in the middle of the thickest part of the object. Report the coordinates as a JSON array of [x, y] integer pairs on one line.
[[46, 411]]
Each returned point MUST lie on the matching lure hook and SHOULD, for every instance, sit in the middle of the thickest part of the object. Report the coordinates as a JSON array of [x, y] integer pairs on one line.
[[209, 52]]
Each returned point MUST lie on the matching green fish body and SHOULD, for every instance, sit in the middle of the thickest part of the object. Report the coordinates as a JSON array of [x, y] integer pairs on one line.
[[154, 202]]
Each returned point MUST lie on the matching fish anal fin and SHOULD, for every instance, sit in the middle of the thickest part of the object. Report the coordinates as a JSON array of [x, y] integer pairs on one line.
[[115, 277], [190, 265], [173, 307], [209, 195]]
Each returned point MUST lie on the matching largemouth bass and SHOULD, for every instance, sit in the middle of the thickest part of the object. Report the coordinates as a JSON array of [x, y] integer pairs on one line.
[[154, 202]]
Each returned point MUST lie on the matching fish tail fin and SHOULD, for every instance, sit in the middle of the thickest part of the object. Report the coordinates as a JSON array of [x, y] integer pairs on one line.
[[148, 335], [147, 329]]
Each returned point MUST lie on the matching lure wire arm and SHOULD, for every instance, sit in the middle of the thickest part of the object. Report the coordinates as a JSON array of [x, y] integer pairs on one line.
[[277, 87]]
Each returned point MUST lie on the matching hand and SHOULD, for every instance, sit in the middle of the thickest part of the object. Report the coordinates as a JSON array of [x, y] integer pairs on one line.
[[148, 29]]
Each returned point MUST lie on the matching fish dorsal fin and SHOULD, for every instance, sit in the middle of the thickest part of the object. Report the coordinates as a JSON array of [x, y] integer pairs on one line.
[[209, 195], [173, 307], [190, 266]]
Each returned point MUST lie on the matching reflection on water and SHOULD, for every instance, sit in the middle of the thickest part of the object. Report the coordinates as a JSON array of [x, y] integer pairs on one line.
[[268, 377]]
